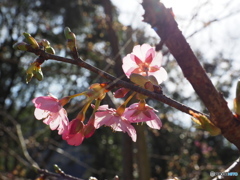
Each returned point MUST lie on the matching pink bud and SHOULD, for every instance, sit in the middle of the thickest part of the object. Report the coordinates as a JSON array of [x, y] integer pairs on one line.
[[120, 93]]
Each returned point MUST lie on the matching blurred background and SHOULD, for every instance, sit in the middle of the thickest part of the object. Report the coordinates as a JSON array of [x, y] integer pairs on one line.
[[106, 31]]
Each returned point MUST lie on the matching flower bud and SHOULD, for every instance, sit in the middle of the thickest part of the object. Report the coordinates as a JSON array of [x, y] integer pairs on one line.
[[29, 72], [50, 50], [57, 169], [37, 73], [68, 34], [71, 39], [45, 43], [76, 126], [34, 70], [21, 46], [29, 77], [120, 93], [31, 40], [89, 130]]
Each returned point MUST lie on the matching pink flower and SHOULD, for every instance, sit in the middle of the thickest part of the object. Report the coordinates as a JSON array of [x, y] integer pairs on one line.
[[50, 109], [109, 117], [144, 61], [74, 134], [77, 131], [135, 114]]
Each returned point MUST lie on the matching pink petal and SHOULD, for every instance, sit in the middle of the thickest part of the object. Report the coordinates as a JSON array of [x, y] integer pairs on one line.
[[52, 120], [40, 114], [64, 117], [103, 118], [140, 118], [136, 59], [103, 107], [150, 56], [75, 126], [132, 133], [137, 51], [89, 130], [157, 60], [154, 68], [127, 127], [155, 124], [47, 103], [141, 51], [128, 64], [124, 126], [57, 121], [75, 140], [160, 75], [130, 71]]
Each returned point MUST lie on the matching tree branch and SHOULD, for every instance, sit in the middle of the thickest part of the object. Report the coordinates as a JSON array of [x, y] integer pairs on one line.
[[162, 20], [117, 81]]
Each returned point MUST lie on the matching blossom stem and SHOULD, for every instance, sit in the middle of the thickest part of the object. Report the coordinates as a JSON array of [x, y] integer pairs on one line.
[[81, 114], [120, 110], [97, 104], [129, 98], [79, 94]]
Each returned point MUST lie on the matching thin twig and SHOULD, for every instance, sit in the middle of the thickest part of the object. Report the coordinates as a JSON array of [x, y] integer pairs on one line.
[[21, 139], [24, 147], [61, 176]]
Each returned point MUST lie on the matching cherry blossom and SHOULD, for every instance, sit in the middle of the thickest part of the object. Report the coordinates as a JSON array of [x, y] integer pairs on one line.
[[74, 134], [144, 60], [77, 131], [109, 117], [51, 110], [135, 113]]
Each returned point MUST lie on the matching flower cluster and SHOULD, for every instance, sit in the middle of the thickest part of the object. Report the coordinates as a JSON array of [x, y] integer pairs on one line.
[[143, 67]]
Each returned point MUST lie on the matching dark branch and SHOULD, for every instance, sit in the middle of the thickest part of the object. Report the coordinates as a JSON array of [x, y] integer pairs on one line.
[[118, 82]]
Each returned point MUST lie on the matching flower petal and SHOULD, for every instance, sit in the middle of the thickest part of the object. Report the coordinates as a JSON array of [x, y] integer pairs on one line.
[[150, 56], [47, 103], [40, 114], [157, 60], [136, 59], [160, 75], [155, 124], [128, 65], [75, 140]]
